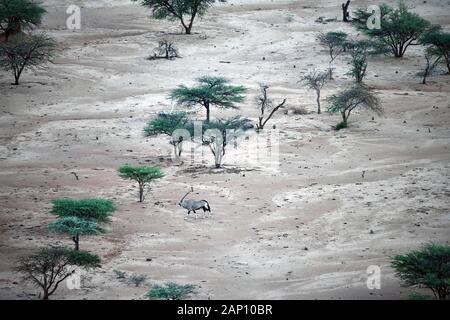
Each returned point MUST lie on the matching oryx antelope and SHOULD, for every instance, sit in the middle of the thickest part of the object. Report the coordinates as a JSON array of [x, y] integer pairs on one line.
[[192, 205]]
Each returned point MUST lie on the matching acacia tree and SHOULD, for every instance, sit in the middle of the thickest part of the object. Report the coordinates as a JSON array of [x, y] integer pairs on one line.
[[183, 10], [335, 41], [438, 45], [399, 27], [428, 267], [208, 92], [360, 50], [358, 96], [265, 104], [220, 133], [172, 291], [315, 80], [52, 265], [168, 124], [142, 175], [16, 15], [26, 51]]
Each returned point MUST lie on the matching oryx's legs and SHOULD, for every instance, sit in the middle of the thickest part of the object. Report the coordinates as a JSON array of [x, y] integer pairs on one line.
[[195, 214]]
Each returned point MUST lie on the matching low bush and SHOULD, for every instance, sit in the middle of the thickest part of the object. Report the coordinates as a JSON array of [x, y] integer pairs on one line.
[[341, 125], [137, 279], [172, 291]]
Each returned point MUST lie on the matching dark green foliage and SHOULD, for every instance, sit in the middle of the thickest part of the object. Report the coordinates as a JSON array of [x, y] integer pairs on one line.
[[359, 65], [428, 267], [142, 175], [51, 265], [208, 92], [83, 259], [438, 45], [183, 10], [417, 296], [16, 15], [400, 27], [165, 123], [73, 225], [25, 51], [98, 210], [341, 125], [357, 96], [172, 291], [360, 50]]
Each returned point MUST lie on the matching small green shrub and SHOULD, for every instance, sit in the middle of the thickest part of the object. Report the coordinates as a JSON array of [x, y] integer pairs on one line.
[[341, 125], [73, 225], [172, 291], [137, 279], [120, 274], [95, 209]]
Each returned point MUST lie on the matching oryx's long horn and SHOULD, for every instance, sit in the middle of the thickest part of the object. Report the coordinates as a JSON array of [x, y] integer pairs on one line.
[[192, 189]]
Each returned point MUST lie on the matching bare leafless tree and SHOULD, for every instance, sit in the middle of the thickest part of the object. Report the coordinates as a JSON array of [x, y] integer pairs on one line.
[[266, 106], [166, 50], [316, 80], [432, 60]]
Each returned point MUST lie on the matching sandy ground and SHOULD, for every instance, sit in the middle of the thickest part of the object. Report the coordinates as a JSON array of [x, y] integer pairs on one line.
[[301, 232]]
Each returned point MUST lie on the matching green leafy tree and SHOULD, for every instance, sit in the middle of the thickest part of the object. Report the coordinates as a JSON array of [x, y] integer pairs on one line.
[[172, 291], [17, 15], [360, 50], [97, 210], [428, 267], [75, 225], [210, 91], [52, 265], [315, 80], [438, 45], [183, 10], [168, 124], [220, 133], [335, 41], [358, 96], [142, 175], [399, 27], [25, 51]]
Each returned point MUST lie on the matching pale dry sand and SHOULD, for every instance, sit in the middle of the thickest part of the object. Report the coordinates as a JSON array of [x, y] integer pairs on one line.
[[253, 247]]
